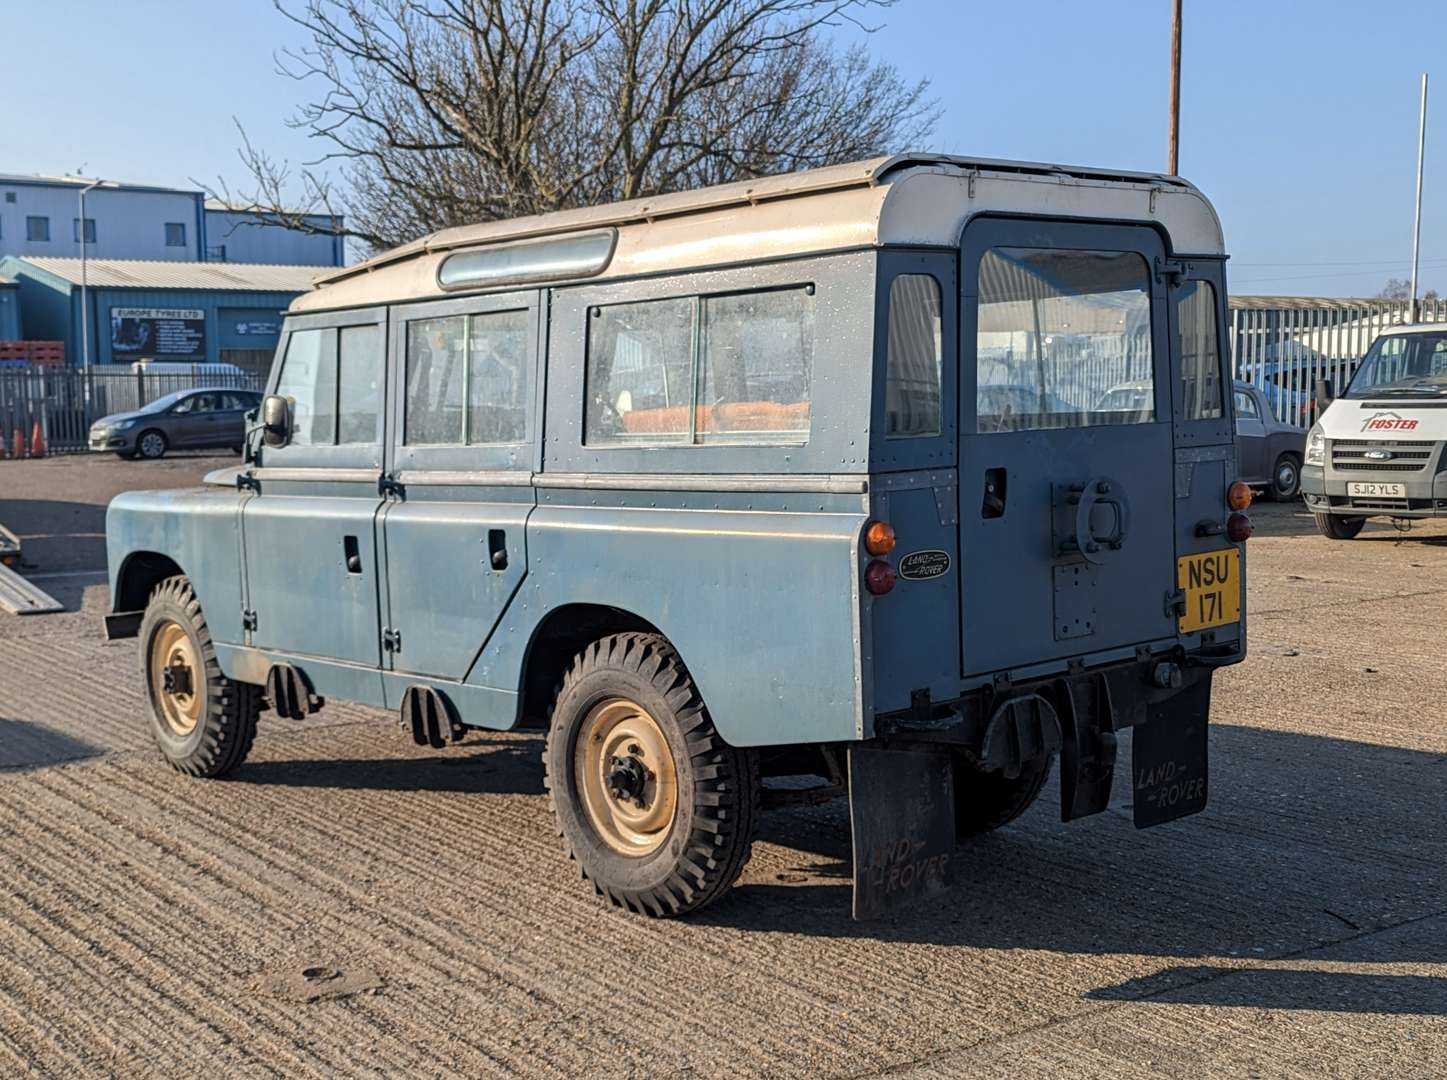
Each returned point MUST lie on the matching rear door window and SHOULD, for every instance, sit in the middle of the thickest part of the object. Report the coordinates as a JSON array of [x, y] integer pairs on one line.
[[467, 379], [1200, 351], [1063, 339]]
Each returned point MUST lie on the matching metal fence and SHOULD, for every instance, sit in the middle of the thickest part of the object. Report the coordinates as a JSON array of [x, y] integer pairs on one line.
[[1283, 344], [65, 402]]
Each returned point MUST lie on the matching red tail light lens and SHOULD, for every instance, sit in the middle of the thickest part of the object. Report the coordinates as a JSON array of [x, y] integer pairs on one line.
[[1238, 528], [879, 577]]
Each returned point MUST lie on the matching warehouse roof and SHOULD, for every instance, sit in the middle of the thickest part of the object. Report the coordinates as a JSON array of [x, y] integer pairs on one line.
[[42, 180], [158, 274]]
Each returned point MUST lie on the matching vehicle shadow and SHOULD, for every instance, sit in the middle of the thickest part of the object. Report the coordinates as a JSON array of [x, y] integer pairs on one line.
[[25, 744], [57, 535], [1292, 519], [1380, 993]]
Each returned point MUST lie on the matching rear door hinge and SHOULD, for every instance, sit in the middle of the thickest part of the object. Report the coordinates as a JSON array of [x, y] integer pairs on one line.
[[388, 484], [392, 640], [246, 481], [1176, 602], [248, 619], [1172, 272]]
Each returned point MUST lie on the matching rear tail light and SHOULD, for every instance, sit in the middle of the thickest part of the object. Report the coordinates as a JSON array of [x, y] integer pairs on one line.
[[1238, 528], [878, 577], [879, 538], [1238, 496]]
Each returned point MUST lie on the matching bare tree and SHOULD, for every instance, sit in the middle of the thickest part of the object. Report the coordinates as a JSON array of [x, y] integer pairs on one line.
[[1401, 289], [440, 112]]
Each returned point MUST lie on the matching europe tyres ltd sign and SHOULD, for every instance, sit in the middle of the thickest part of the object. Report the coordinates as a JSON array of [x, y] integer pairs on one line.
[[158, 332]]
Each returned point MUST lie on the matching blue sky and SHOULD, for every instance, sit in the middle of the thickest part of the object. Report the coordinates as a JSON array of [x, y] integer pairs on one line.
[[1299, 117]]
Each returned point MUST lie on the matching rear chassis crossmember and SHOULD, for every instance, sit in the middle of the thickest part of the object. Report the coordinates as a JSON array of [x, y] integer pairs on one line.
[[901, 783]]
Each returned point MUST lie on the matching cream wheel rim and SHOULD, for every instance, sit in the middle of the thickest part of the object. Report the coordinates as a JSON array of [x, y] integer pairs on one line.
[[627, 777], [176, 678]]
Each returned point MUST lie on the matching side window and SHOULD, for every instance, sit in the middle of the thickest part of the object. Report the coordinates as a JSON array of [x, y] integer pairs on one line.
[[309, 378], [359, 385], [1245, 406], [732, 368], [203, 403], [467, 380], [1200, 351], [915, 357], [1063, 339]]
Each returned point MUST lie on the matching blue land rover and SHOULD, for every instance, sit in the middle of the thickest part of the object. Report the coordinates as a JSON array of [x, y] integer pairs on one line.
[[820, 475]]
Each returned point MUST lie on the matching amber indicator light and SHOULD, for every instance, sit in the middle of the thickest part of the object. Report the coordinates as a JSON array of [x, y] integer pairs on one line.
[[879, 538]]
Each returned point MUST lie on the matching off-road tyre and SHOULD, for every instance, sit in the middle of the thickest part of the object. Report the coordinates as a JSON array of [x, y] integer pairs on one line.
[[1285, 479], [985, 801], [717, 786], [1337, 527], [152, 449], [226, 725]]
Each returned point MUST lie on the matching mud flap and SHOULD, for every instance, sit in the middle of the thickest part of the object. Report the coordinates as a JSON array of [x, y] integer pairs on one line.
[[901, 809], [1169, 757]]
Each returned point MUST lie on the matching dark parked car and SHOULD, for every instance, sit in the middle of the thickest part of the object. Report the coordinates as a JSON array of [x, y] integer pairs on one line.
[[1268, 452], [187, 419]]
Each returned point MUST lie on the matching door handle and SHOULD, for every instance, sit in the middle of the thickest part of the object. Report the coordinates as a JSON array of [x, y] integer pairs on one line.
[[497, 549], [352, 554]]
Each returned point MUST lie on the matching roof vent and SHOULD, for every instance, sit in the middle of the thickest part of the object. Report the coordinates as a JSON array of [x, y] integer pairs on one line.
[[552, 259]]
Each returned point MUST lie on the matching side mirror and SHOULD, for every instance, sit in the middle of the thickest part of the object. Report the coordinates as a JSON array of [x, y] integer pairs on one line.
[[275, 420], [1324, 393]]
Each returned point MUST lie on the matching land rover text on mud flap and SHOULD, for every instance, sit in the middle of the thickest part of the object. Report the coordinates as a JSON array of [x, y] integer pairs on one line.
[[610, 473], [1376, 451]]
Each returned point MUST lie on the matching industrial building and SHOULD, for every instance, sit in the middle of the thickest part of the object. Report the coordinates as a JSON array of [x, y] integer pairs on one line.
[[138, 309], [40, 217]]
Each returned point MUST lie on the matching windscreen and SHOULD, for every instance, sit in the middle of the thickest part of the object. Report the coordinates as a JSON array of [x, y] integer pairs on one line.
[[1063, 339], [1403, 365]]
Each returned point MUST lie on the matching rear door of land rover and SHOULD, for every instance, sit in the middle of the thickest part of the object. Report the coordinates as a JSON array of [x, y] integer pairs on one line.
[[1067, 447]]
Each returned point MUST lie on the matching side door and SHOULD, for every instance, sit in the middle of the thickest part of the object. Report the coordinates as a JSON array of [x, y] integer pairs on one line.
[[1250, 437], [190, 419], [461, 457], [1066, 470], [309, 529]]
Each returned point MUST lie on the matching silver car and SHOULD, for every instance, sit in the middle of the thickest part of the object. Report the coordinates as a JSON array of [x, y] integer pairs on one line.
[[185, 420]]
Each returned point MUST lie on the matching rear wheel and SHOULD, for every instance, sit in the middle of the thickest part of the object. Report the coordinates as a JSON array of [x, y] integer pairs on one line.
[[151, 445], [1337, 527], [1286, 478], [985, 801], [204, 722], [656, 809]]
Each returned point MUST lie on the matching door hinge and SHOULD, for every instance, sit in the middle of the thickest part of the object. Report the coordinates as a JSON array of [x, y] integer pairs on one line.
[[1176, 602], [245, 481], [1172, 272], [392, 639], [388, 484], [248, 619]]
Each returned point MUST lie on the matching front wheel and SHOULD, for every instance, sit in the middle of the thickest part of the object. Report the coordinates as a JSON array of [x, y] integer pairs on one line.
[[151, 445], [204, 722], [1286, 478], [655, 808], [1337, 527]]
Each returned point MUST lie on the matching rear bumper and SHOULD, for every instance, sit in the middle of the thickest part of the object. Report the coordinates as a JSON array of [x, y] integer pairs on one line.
[[1326, 492]]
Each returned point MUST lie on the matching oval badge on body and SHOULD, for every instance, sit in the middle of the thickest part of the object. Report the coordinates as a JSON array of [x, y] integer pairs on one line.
[[923, 565]]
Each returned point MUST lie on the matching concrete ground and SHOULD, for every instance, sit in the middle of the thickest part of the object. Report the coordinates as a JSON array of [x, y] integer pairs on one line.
[[155, 925]]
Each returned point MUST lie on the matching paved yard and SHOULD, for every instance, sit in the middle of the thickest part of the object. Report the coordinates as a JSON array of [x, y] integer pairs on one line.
[[156, 925]]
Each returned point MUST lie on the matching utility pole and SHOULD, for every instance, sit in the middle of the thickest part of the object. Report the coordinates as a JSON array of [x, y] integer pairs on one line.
[[1417, 220], [84, 301], [1173, 145]]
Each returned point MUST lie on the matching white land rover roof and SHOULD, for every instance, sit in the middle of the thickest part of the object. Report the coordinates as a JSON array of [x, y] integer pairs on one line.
[[920, 199]]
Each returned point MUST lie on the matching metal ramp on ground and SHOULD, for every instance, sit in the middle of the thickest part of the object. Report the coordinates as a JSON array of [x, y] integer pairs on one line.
[[22, 597]]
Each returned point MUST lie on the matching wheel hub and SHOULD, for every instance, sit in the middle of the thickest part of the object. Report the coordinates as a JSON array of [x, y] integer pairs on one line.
[[173, 665], [626, 777]]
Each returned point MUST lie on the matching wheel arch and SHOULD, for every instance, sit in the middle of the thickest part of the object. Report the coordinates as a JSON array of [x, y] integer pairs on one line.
[[140, 573], [558, 637]]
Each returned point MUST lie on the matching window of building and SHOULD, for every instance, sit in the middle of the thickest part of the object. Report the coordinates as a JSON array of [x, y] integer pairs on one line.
[[1063, 339], [1200, 351], [89, 230], [467, 380], [175, 234], [10, 196], [37, 230], [733, 368], [309, 378], [915, 357]]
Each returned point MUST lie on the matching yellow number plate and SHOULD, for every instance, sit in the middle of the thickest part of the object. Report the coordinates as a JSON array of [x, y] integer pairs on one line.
[[1212, 583]]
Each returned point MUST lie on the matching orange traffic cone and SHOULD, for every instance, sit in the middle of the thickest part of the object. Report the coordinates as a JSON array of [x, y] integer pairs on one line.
[[17, 448], [37, 441]]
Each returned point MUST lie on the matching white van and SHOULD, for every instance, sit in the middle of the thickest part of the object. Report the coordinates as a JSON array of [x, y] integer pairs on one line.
[[173, 367], [1377, 449]]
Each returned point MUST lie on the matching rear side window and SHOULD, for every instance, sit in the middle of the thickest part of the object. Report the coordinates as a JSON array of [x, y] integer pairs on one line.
[[467, 379], [1063, 339], [731, 368], [1200, 351], [334, 378], [915, 357]]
